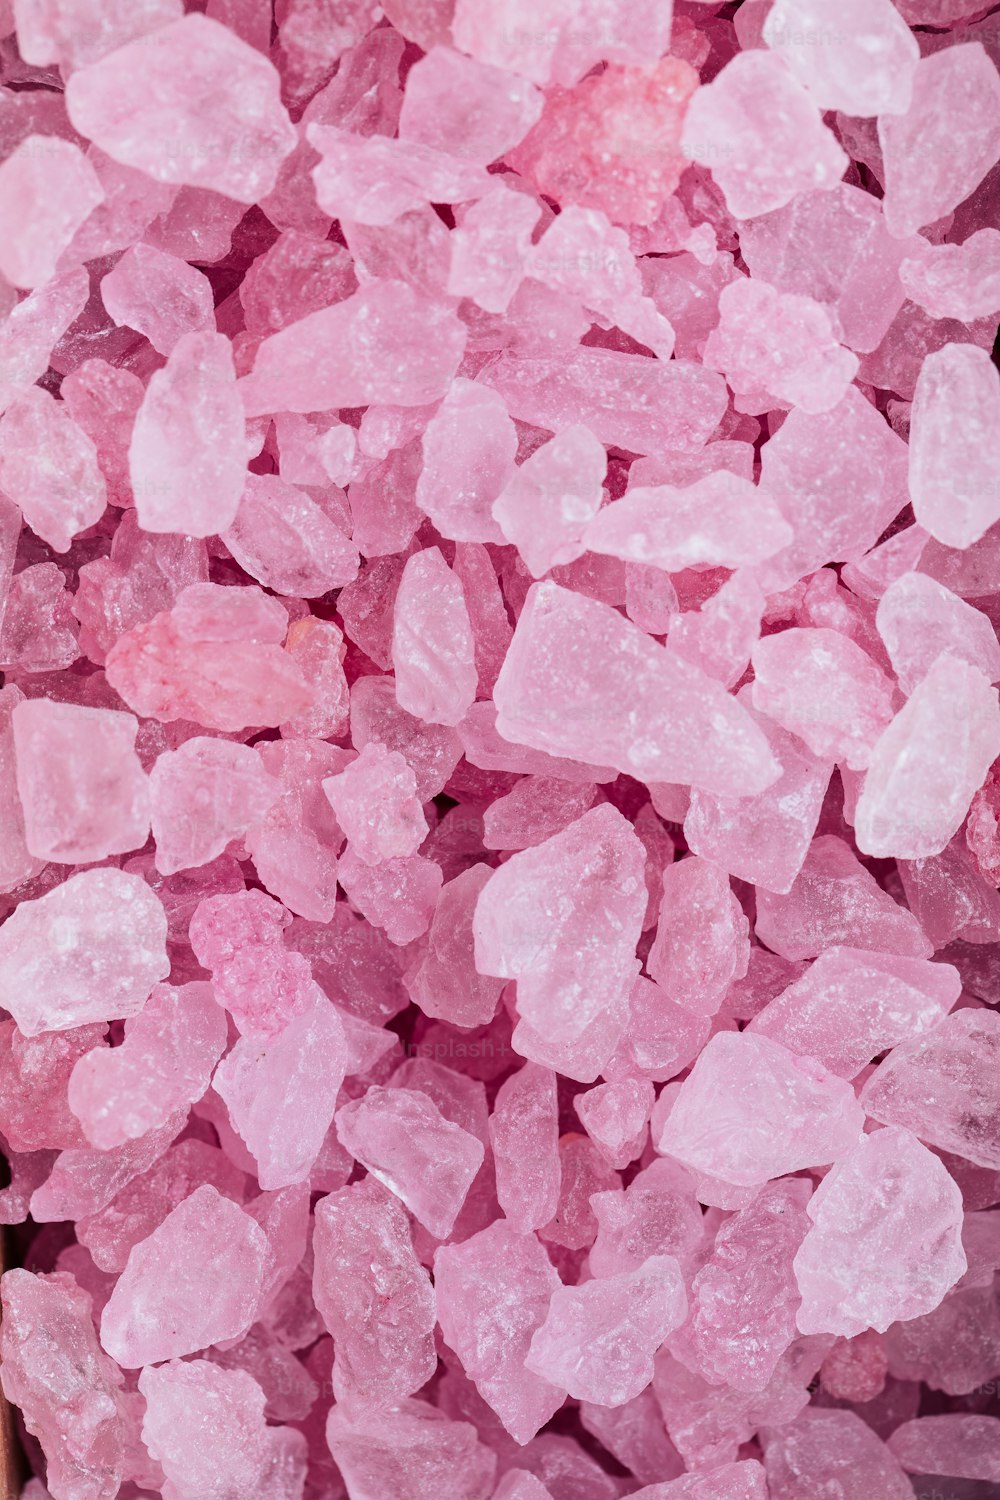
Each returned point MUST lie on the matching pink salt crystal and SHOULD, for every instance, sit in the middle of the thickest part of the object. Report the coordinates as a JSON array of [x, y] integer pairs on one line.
[[47, 189], [281, 1091], [743, 1301], [823, 1449], [413, 1452], [761, 136], [67, 1388], [493, 1293], [920, 781], [187, 457], [159, 295], [397, 895], [288, 542], [48, 32], [943, 146], [954, 423], [484, 599], [822, 687], [778, 348], [956, 281], [599, 1339], [614, 1115], [445, 983], [750, 1110], [468, 451], [524, 1134], [546, 505], [432, 646], [850, 1006], [702, 938], [373, 180], [203, 795], [886, 1238], [188, 103], [489, 248], [385, 344], [835, 900], [579, 680], [533, 810], [855, 1369], [720, 521], [864, 66], [374, 1297], [213, 658], [738, 1481], [195, 1281], [374, 799], [661, 1037], [485, 748], [222, 926], [317, 649], [48, 465], [949, 893], [34, 1110], [294, 847], [90, 947], [39, 633], [80, 782], [521, 1484], [954, 1348], [164, 1063], [961, 1445], [635, 1435], [563, 918], [918, 618], [612, 142], [467, 108], [83, 1181], [942, 1086], [295, 276], [522, 40]]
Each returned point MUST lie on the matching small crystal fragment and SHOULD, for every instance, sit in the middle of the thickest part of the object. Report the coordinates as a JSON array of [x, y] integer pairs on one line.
[[159, 295], [432, 646], [49, 466], [205, 794], [918, 618], [546, 505], [954, 424], [375, 802], [48, 189]]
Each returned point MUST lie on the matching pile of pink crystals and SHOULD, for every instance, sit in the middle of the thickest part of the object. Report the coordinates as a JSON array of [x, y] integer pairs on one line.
[[499, 759]]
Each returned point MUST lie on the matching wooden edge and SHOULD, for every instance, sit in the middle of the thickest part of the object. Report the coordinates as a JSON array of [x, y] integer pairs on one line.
[[10, 1465]]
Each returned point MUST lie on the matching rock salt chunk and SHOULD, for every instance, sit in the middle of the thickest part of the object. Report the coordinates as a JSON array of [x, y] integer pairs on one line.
[[760, 135], [467, 108], [489, 248], [864, 65], [432, 646], [615, 1115], [375, 802], [374, 180], [598, 1339], [851, 1005], [206, 1427], [195, 1281], [403, 1139], [83, 1181], [288, 542], [954, 425], [943, 146], [661, 1038], [738, 1481], [546, 505], [187, 457], [281, 1092], [158, 295], [524, 1134], [956, 281], [34, 1110], [886, 1241], [48, 189], [702, 938], [397, 895], [446, 984], [468, 451], [826, 1448], [581, 681], [414, 1452], [961, 1445], [50, 32], [80, 781], [374, 1296], [493, 1293], [751, 1110], [49, 468], [943, 1087], [92, 947], [929, 762], [203, 795], [188, 103], [533, 810], [918, 618]]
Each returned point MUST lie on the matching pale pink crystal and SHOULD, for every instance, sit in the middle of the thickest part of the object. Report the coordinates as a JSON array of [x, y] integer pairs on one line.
[[34, 1110], [432, 647], [91, 947], [287, 541], [954, 425], [929, 762], [615, 1116], [188, 103], [164, 1063], [187, 457], [317, 649], [48, 188], [661, 1037], [720, 521], [214, 657], [956, 281], [39, 633], [886, 1238], [203, 795], [489, 248], [863, 65], [294, 847], [48, 465], [598, 1339], [465, 107], [397, 895], [546, 504], [49, 32], [374, 1297], [943, 146], [281, 1092], [850, 1006], [83, 1181], [822, 1449], [375, 802], [468, 451], [750, 1110], [778, 348], [702, 937], [961, 1445], [737, 1481], [579, 680], [195, 1281], [80, 781], [761, 136], [918, 618], [414, 1452], [445, 983], [524, 1134], [520, 1484], [69, 1391], [943, 1087], [493, 1293], [533, 810], [403, 1139], [373, 179], [159, 295]]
